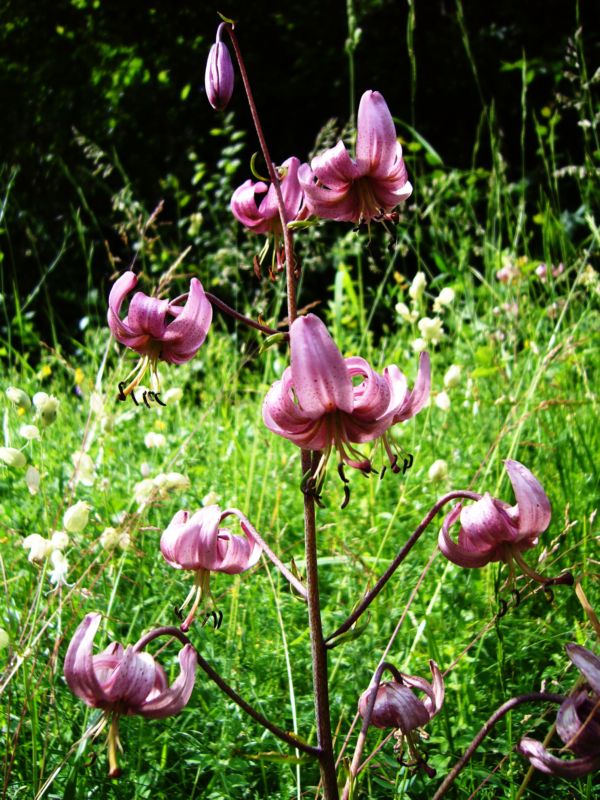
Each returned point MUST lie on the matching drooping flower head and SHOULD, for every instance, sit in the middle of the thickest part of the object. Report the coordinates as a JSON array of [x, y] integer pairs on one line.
[[577, 724], [219, 75], [254, 204], [159, 330], [492, 530], [318, 404], [124, 681], [371, 185], [196, 542], [397, 706]]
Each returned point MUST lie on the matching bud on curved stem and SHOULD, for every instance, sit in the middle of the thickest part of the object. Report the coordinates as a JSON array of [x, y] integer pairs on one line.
[[218, 77]]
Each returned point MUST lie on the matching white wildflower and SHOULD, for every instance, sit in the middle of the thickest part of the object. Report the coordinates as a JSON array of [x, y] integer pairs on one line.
[[76, 517], [417, 287], [39, 548], [452, 376], [47, 407], [12, 457], [85, 470], [210, 499], [172, 480], [419, 345], [442, 401], [32, 479], [18, 397], [405, 313], [438, 471], [59, 540], [155, 440], [444, 299], [29, 432], [60, 567], [173, 395], [431, 329], [4, 639]]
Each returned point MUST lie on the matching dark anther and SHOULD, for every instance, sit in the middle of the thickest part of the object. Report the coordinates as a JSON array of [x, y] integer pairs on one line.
[[220, 622], [408, 462], [134, 398], [549, 594], [121, 396], [155, 396], [340, 469], [566, 579], [517, 597], [178, 612], [382, 473], [346, 496], [502, 609], [145, 399], [257, 269]]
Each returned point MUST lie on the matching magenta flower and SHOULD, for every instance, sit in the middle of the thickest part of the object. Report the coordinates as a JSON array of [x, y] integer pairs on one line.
[[397, 706], [124, 681], [263, 217], [577, 724], [492, 530], [318, 405], [340, 188], [159, 330], [197, 543], [219, 75]]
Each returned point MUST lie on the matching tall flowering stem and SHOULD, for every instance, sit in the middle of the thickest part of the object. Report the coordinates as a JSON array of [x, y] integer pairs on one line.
[[318, 646], [402, 553], [532, 697]]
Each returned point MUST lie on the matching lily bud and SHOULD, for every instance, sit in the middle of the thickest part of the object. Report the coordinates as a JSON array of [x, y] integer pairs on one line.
[[76, 517], [218, 77]]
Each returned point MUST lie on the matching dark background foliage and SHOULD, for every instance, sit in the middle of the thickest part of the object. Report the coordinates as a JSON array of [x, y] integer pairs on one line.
[[128, 76]]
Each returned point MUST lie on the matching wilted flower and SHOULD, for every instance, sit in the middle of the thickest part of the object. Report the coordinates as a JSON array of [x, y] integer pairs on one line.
[[452, 376], [47, 408], [577, 724], [340, 188], [39, 548], [159, 330], [76, 517], [18, 397], [125, 681], [195, 542], [317, 406], [12, 457], [491, 530], [219, 75]]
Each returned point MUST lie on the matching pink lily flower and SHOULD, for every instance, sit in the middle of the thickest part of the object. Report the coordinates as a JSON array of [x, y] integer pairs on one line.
[[255, 206], [195, 542], [317, 406], [124, 681], [219, 75], [396, 705], [368, 187], [492, 530], [159, 330], [577, 724]]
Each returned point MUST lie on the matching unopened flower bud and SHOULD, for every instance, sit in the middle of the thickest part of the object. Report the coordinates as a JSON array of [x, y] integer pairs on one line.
[[47, 407], [452, 376], [12, 457], [417, 287], [76, 517], [154, 440], [84, 468], [438, 471], [444, 299], [218, 77], [18, 397], [442, 401], [32, 479], [29, 432]]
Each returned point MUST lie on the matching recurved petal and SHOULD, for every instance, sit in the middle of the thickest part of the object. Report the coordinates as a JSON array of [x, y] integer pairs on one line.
[[193, 544], [236, 553], [485, 524], [587, 663], [334, 168], [376, 136], [578, 724], [541, 759], [147, 315], [173, 699], [395, 707], [414, 401], [319, 374], [119, 291], [245, 209], [132, 681], [455, 552], [185, 335], [534, 510], [284, 417], [78, 666]]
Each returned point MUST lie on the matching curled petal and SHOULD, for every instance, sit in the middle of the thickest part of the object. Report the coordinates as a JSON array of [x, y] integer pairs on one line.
[[455, 552], [148, 315], [587, 663], [132, 680], [578, 724], [244, 208], [173, 699], [285, 417], [376, 136], [415, 400], [395, 707], [320, 378], [534, 510], [236, 553], [192, 544], [541, 759], [334, 168], [120, 329], [79, 666], [484, 525], [185, 335]]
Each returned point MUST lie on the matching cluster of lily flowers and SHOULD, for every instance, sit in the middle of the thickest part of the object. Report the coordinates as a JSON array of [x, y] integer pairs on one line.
[[328, 404]]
